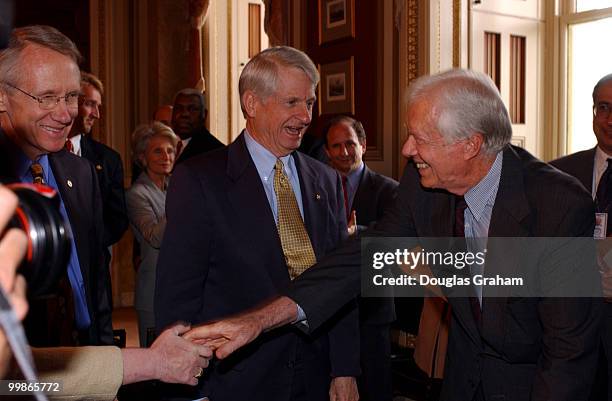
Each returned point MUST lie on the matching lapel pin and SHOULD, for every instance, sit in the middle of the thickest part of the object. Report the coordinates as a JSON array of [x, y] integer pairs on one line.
[[98, 167], [318, 197], [69, 183]]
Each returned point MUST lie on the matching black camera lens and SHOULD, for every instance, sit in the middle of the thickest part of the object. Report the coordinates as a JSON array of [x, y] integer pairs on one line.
[[38, 214]]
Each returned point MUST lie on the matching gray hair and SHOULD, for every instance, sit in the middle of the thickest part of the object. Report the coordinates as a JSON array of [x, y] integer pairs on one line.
[[603, 81], [192, 92], [350, 121], [41, 35], [465, 102], [260, 74], [143, 134]]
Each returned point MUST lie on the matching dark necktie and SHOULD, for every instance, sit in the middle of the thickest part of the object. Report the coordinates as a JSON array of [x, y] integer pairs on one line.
[[459, 231], [346, 198], [69, 146], [38, 176]]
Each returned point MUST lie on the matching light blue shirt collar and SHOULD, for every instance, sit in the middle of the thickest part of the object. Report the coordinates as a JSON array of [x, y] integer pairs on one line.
[[484, 193]]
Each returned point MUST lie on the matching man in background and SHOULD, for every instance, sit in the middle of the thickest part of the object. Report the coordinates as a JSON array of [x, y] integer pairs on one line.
[[188, 122], [593, 168], [367, 195], [106, 161]]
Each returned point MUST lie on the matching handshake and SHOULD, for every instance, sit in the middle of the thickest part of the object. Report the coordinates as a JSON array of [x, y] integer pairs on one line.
[[179, 355]]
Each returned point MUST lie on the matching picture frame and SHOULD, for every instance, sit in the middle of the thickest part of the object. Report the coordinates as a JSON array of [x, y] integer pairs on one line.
[[518, 141], [336, 91], [336, 20]]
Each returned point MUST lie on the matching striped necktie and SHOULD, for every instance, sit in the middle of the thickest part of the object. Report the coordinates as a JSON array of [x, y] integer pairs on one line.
[[295, 241]]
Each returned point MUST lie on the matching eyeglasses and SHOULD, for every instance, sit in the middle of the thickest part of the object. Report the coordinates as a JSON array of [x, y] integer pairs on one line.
[[49, 102], [602, 110]]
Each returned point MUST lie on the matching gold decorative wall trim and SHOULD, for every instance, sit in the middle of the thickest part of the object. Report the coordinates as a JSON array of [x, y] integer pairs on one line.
[[438, 35], [456, 33], [230, 71], [412, 28]]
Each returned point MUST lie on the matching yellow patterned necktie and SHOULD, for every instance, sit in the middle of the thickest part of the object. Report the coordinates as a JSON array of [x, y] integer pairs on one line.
[[37, 173], [295, 241]]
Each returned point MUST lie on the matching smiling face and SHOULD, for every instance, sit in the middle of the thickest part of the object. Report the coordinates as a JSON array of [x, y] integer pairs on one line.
[[278, 122], [89, 109], [440, 164], [43, 72], [602, 124], [343, 148], [159, 156]]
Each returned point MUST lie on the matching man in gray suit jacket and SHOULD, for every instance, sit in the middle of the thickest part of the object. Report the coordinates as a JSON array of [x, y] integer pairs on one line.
[[502, 347]]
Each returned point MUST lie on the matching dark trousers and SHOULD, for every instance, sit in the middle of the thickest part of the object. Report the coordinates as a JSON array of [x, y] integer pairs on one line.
[[375, 381]]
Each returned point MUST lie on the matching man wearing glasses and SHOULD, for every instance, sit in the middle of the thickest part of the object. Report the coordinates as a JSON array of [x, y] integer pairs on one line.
[[593, 168], [39, 93]]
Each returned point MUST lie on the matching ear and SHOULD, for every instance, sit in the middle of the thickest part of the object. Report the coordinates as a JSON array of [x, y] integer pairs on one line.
[[204, 115], [472, 146], [363, 146], [249, 101]]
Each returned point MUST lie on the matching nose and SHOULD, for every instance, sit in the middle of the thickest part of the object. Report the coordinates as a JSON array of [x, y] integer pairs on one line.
[[64, 114], [304, 114], [344, 150], [96, 112], [409, 148]]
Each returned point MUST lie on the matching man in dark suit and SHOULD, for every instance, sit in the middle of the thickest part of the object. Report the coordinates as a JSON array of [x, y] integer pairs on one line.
[[589, 166], [502, 347], [188, 118], [38, 103], [106, 161], [259, 215], [367, 195]]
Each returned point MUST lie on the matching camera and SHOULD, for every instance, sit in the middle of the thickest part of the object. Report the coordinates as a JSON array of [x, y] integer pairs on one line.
[[48, 250]]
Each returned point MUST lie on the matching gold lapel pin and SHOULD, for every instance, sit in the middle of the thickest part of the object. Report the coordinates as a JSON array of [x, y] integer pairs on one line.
[[69, 183], [98, 167]]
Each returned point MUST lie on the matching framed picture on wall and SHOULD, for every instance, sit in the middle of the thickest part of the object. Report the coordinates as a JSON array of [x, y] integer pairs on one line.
[[518, 141], [336, 20], [336, 88]]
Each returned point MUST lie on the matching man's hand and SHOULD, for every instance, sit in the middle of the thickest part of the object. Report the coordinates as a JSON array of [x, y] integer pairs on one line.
[[12, 248], [179, 360], [343, 389], [171, 359], [227, 335]]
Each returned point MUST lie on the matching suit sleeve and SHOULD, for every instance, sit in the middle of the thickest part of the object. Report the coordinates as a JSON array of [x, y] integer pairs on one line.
[[182, 266], [336, 280], [115, 214], [143, 217], [571, 326], [344, 332]]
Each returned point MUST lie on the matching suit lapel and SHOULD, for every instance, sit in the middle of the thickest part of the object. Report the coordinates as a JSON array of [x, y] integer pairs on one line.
[[314, 201], [69, 188], [364, 188], [251, 210], [508, 219]]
